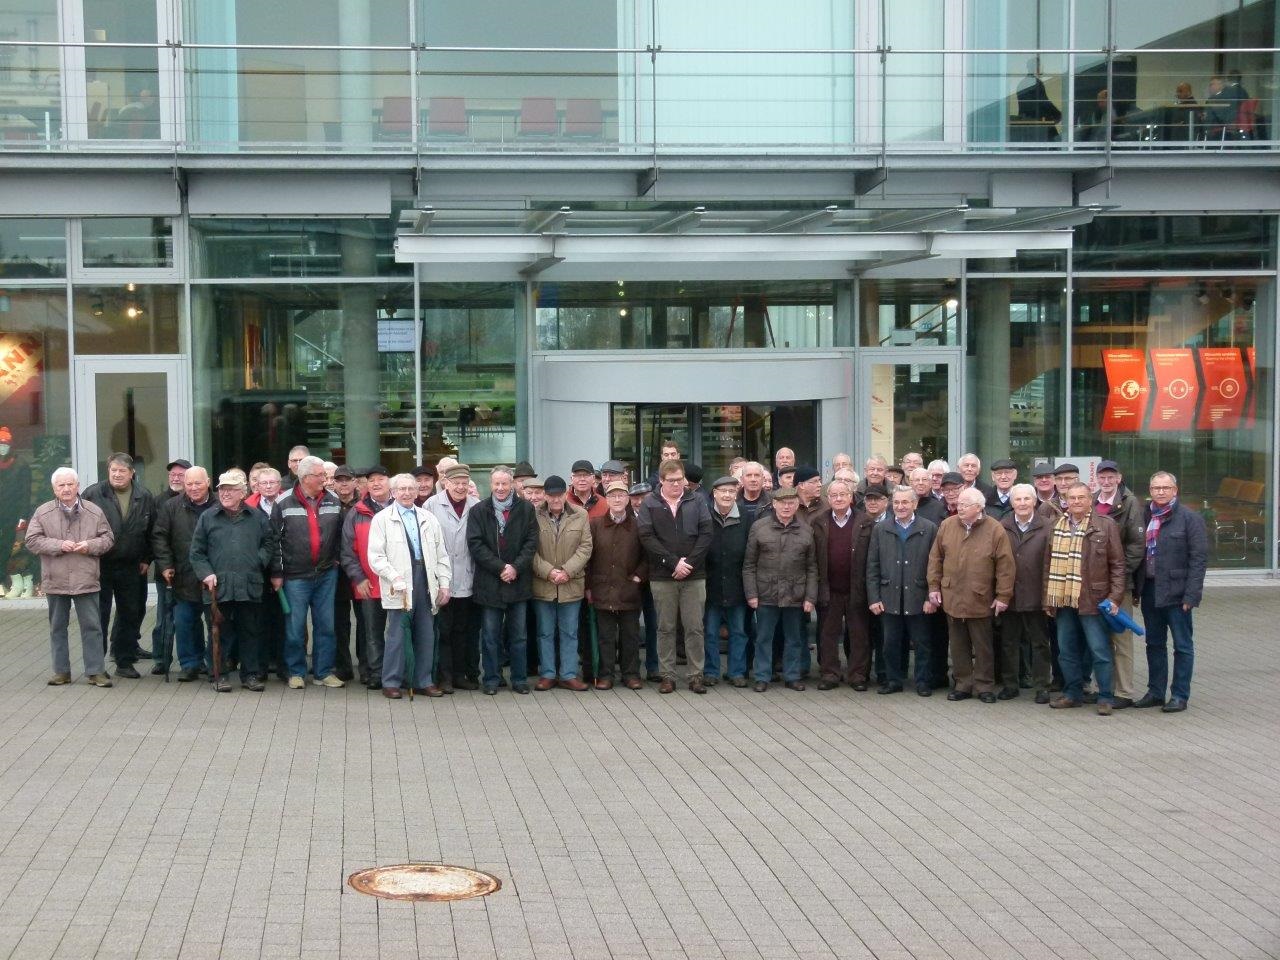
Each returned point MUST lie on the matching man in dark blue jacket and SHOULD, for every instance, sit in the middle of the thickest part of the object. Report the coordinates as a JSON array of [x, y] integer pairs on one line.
[[726, 601], [1171, 583]]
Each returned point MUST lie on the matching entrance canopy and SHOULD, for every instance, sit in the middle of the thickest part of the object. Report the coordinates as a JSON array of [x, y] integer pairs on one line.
[[562, 243]]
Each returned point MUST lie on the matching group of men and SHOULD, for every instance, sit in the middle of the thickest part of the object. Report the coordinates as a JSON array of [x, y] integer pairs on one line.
[[996, 586]]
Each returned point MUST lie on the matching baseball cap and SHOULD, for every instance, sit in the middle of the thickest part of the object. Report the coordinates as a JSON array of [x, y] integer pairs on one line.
[[579, 466], [615, 486], [554, 485], [232, 478], [344, 473], [1108, 465], [184, 464]]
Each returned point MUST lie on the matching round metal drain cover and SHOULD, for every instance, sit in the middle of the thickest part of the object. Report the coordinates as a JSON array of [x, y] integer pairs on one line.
[[424, 881]]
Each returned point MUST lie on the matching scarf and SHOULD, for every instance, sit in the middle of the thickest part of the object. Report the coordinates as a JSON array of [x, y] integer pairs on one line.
[[1066, 563], [1158, 515], [501, 508]]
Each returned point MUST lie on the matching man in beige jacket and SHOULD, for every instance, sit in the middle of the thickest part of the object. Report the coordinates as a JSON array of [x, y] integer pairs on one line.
[[560, 583], [69, 535]]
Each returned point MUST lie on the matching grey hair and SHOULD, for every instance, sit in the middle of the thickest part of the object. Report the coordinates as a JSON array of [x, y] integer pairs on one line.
[[848, 487], [939, 465], [502, 468], [876, 458], [1164, 473], [1022, 489], [970, 495], [402, 480], [308, 465], [915, 497], [64, 472]]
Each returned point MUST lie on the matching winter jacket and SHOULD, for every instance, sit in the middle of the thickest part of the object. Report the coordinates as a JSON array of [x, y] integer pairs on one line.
[[520, 543], [753, 510], [616, 557], [935, 511], [565, 545], [898, 570], [971, 568], [595, 506], [354, 554], [780, 567], [1126, 513], [68, 573], [132, 533], [724, 557], [1028, 561], [1182, 550], [237, 549], [171, 537], [391, 558], [864, 526], [455, 540], [667, 537], [161, 499], [292, 525], [995, 509], [1102, 572]]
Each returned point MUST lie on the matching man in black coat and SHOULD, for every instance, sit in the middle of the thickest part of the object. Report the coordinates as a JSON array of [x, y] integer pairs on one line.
[[171, 542], [130, 509], [502, 535], [726, 601]]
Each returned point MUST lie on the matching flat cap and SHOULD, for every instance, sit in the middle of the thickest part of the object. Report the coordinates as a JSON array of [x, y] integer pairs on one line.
[[876, 490], [725, 482], [1108, 465], [457, 470], [613, 466], [1005, 464], [952, 477], [532, 483], [785, 493], [1065, 468], [805, 474], [554, 485], [640, 489], [580, 466], [1042, 470]]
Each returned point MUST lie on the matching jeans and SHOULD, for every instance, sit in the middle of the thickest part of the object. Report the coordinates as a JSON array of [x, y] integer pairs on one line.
[[162, 632], [189, 618], [1075, 633], [86, 605], [735, 618], [898, 629], [317, 593], [493, 621], [554, 616], [791, 618], [1160, 622]]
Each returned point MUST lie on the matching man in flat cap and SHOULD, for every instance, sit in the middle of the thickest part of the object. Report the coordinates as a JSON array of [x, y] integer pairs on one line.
[[1004, 474], [582, 481], [726, 601], [616, 573], [425, 476], [780, 580]]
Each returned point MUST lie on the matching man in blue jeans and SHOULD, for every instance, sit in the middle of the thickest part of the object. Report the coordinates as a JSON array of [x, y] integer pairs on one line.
[[726, 601], [559, 584], [1171, 584], [308, 526]]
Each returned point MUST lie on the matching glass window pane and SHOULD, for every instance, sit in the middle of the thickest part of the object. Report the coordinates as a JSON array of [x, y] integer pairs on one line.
[[553, 23], [33, 248], [1206, 24], [1175, 243], [909, 410], [30, 78], [133, 417], [127, 242], [1175, 374], [295, 248], [130, 318], [903, 313], [122, 83], [298, 22]]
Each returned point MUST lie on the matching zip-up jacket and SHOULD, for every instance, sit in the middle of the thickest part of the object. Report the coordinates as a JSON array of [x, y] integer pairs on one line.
[[132, 533], [355, 545], [667, 537], [309, 535], [171, 540]]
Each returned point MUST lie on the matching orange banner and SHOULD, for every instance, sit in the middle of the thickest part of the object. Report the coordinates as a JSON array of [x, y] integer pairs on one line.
[[1177, 388], [1225, 388], [1127, 390]]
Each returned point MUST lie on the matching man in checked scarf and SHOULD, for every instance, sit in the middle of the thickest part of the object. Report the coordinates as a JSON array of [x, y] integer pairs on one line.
[[1084, 569]]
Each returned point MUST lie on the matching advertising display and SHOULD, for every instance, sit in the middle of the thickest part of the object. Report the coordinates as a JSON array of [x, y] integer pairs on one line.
[[1127, 390], [1225, 389], [1177, 389]]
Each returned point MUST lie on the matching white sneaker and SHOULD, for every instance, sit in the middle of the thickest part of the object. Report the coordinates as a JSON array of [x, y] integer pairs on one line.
[[296, 683], [330, 681]]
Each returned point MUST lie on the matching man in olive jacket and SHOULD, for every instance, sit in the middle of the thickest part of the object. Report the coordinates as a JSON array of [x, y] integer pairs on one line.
[[615, 575], [230, 551], [971, 577], [898, 590], [559, 583], [502, 534], [780, 578]]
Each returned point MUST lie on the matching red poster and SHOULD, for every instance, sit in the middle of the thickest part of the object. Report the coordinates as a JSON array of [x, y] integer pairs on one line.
[[1252, 406], [1176, 390], [1127, 389], [1225, 389]]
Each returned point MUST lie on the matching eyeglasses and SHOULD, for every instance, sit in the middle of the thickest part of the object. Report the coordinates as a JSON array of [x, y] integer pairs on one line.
[[1155, 489], [673, 479]]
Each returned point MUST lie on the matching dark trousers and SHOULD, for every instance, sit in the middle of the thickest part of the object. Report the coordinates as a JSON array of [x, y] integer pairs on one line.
[[618, 633], [588, 653], [123, 584], [1163, 623], [374, 616], [344, 604], [271, 645], [241, 630], [162, 632], [901, 632], [939, 647], [1024, 635], [973, 662], [459, 650], [841, 610], [650, 631]]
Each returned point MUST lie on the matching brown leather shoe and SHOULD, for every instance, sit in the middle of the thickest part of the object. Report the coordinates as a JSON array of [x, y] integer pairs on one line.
[[697, 684], [1064, 703], [1104, 709], [667, 686], [633, 683], [574, 684], [603, 684], [544, 684], [431, 691], [392, 693]]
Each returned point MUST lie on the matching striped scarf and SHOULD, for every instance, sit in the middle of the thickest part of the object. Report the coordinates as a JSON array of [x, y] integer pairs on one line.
[[1066, 563]]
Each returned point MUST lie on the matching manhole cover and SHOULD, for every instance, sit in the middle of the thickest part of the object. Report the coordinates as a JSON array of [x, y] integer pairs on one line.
[[424, 881]]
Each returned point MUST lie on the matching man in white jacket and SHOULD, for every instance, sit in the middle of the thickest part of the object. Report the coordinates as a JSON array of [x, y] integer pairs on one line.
[[459, 664], [407, 552]]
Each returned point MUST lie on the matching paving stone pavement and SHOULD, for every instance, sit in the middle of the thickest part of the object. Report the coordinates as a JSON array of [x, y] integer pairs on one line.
[[161, 820]]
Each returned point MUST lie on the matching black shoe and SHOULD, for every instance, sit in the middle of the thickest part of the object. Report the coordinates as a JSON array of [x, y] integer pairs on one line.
[[1090, 697], [889, 686], [1007, 693], [955, 695], [924, 690], [189, 675], [222, 685], [127, 671], [1042, 696], [1148, 700], [859, 686], [1120, 703], [828, 684], [465, 683], [158, 670], [521, 688], [654, 678], [374, 684], [1174, 706], [797, 685], [490, 691], [253, 682], [760, 687], [987, 697], [141, 653]]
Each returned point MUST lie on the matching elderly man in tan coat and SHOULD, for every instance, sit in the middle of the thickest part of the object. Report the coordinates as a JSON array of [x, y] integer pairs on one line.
[[69, 535], [971, 573], [560, 583]]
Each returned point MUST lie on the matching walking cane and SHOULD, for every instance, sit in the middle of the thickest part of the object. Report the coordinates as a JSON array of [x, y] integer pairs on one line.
[[215, 635], [406, 630]]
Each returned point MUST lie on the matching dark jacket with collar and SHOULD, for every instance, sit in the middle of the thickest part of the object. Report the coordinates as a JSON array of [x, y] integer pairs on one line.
[[519, 545], [1102, 573], [132, 533], [724, 558], [667, 537], [1127, 514], [780, 568], [1029, 548], [753, 510], [997, 510], [616, 557], [864, 526], [1182, 553], [171, 538], [292, 528], [897, 570], [237, 549], [933, 510]]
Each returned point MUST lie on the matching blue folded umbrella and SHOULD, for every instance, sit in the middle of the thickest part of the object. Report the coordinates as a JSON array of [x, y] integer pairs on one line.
[[1117, 620]]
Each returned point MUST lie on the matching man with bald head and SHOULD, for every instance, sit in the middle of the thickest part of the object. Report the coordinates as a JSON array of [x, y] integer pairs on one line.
[[171, 538]]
